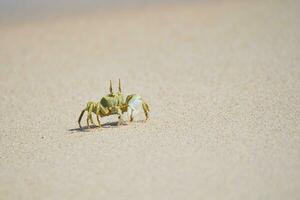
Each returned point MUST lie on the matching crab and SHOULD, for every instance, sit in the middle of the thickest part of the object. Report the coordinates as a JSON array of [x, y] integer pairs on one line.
[[114, 104]]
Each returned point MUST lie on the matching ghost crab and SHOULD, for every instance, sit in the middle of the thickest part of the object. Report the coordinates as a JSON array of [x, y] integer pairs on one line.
[[114, 104]]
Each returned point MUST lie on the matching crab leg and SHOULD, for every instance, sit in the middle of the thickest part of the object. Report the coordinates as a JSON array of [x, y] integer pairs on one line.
[[121, 121], [146, 109], [80, 117], [97, 114], [91, 108]]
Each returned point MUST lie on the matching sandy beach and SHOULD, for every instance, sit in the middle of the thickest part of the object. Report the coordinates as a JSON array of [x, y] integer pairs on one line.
[[222, 79]]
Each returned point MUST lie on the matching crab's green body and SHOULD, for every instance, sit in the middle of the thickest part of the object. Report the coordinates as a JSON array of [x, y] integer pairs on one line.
[[112, 104], [112, 100]]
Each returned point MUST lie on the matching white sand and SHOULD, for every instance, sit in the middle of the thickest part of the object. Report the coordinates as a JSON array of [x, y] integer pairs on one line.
[[223, 82]]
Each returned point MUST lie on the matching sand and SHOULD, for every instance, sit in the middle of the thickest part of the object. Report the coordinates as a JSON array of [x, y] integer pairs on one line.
[[222, 79]]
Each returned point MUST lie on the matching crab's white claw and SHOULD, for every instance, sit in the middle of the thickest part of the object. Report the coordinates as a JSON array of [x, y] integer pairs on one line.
[[135, 104]]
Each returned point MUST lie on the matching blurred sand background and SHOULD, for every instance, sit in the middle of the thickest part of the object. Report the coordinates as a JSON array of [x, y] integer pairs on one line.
[[222, 79]]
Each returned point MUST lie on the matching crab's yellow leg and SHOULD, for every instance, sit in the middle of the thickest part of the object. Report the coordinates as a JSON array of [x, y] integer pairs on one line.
[[97, 114], [87, 122], [121, 121], [90, 113], [146, 109], [89, 108], [102, 110], [131, 115], [98, 120], [80, 117]]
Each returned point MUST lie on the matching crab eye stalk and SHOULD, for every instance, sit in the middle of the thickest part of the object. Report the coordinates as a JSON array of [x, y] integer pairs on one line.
[[110, 87], [120, 90]]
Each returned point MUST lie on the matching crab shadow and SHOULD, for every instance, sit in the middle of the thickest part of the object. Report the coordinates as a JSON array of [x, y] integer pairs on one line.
[[86, 128], [106, 125]]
